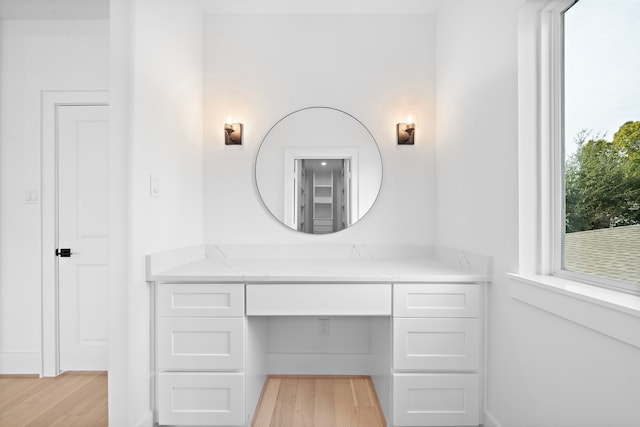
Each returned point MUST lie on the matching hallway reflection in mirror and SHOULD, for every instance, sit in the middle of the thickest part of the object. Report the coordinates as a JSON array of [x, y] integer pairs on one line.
[[322, 200]]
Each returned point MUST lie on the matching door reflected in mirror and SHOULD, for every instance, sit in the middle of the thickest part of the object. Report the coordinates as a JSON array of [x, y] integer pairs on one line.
[[318, 170], [322, 195]]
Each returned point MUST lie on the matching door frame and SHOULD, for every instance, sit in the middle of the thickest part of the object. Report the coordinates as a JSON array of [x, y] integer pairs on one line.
[[293, 154], [50, 328]]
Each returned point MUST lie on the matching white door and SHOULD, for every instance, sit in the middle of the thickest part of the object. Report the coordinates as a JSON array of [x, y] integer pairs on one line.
[[83, 227]]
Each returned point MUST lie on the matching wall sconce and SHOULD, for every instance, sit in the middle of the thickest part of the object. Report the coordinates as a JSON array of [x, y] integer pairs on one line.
[[406, 132], [232, 132]]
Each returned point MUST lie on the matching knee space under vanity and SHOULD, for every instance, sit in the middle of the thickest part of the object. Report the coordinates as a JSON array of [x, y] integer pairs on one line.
[[355, 345], [319, 346]]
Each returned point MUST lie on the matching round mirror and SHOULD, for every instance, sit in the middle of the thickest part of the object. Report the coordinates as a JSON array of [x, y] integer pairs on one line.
[[318, 170]]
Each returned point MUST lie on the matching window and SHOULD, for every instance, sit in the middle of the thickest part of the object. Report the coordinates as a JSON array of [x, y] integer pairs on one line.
[[600, 153], [542, 279]]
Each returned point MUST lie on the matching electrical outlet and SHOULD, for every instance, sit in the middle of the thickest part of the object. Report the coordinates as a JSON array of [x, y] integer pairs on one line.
[[31, 197], [323, 327]]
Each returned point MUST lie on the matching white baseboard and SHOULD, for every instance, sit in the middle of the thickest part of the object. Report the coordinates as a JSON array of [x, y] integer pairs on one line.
[[146, 420], [20, 363], [490, 420], [319, 364]]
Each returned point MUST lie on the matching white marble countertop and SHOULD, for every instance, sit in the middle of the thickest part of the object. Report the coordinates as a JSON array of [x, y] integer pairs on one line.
[[328, 264]]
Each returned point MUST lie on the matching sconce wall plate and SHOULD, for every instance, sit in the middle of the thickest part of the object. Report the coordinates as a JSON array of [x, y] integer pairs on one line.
[[233, 134], [405, 133]]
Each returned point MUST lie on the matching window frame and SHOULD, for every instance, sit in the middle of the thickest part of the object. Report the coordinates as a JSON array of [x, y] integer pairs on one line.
[[551, 173], [610, 310]]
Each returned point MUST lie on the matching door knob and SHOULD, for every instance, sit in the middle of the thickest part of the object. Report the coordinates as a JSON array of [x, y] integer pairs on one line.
[[63, 253]]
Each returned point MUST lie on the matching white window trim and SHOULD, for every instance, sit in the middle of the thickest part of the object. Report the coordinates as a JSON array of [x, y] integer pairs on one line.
[[552, 20], [609, 311]]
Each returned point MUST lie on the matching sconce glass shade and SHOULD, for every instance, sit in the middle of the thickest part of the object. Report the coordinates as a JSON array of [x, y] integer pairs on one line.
[[405, 133], [233, 133]]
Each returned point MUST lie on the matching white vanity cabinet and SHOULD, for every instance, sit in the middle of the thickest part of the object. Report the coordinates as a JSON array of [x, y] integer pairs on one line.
[[200, 354], [436, 354], [200, 341], [224, 322]]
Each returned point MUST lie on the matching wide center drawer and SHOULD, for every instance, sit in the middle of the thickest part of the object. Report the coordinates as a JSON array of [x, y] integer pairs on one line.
[[318, 299]]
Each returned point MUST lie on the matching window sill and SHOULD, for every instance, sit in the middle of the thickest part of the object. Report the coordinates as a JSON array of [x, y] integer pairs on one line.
[[615, 314]]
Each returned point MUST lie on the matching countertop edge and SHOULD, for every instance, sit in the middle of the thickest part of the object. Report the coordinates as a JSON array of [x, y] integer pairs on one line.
[[191, 265], [260, 279]]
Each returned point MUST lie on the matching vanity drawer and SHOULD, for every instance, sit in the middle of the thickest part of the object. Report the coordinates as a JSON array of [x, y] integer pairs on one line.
[[436, 400], [200, 343], [319, 300], [213, 399], [200, 300], [436, 300], [436, 344]]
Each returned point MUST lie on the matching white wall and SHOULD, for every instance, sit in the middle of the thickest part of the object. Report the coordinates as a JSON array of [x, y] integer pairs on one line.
[[35, 55], [261, 67], [542, 370], [121, 29], [164, 58]]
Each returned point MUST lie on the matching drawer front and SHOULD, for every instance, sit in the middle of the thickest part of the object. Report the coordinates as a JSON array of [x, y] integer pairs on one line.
[[436, 300], [436, 344], [200, 299], [320, 300], [200, 343], [436, 400], [201, 399]]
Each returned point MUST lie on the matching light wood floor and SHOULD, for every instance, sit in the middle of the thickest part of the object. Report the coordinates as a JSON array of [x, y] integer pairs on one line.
[[318, 401], [71, 399]]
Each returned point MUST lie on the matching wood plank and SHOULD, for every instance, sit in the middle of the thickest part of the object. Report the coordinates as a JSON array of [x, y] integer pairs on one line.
[[376, 405], [305, 404], [44, 397], [285, 404], [318, 401], [13, 390], [75, 402], [324, 414], [267, 403], [361, 392], [344, 403], [368, 416], [74, 398]]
